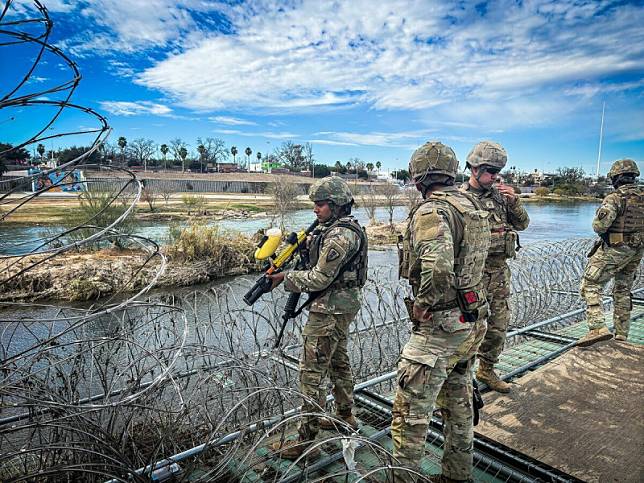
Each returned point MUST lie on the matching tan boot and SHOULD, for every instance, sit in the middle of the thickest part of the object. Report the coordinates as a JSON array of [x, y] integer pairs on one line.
[[593, 336], [293, 449], [621, 337], [486, 374], [338, 423]]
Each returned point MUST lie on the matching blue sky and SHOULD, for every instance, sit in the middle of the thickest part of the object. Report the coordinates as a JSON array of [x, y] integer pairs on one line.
[[358, 78]]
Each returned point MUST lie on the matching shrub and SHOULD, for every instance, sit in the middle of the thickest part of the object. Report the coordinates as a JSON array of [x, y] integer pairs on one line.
[[542, 191], [224, 250]]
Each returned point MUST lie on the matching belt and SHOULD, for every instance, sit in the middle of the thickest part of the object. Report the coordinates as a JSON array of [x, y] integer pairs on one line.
[[444, 306]]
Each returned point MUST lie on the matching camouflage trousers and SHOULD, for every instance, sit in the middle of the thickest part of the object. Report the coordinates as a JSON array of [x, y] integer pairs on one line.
[[324, 353], [496, 279], [435, 368], [618, 262]]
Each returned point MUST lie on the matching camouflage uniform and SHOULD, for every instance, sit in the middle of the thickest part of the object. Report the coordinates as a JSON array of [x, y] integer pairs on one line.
[[505, 219], [332, 245], [443, 255], [620, 222]]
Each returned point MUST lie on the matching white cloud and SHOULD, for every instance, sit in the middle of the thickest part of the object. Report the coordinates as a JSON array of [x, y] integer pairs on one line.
[[128, 108], [231, 121], [389, 139], [404, 55]]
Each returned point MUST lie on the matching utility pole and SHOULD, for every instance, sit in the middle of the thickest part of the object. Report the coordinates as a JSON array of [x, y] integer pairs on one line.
[[601, 135]]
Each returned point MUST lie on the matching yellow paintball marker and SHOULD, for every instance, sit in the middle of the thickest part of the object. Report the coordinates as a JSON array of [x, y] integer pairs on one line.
[[266, 249]]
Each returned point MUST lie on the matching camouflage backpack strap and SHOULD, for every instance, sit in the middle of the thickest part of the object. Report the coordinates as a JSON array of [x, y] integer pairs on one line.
[[358, 261]]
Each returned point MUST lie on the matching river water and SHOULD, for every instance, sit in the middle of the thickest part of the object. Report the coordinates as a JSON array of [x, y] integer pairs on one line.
[[548, 222]]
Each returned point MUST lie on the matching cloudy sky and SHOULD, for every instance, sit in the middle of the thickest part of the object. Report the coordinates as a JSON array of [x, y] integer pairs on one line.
[[359, 78]]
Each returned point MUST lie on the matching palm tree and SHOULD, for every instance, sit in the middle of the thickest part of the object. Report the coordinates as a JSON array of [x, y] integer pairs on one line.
[[122, 142], [202, 152], [233, 151], [370, 166], [183, 154], [338, 166], [41, 151], [164, 150], [248, 152], [259, 157], [378, 165]]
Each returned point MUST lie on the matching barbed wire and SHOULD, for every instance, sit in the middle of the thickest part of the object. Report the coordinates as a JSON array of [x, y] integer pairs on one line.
[[126, 386]]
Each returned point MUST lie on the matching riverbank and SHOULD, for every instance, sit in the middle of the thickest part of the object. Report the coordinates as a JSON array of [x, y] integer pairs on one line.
[[198, 254]]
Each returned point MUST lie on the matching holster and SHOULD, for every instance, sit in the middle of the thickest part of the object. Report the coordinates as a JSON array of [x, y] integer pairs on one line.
[[477, 401], [595, 247], [409, 305]]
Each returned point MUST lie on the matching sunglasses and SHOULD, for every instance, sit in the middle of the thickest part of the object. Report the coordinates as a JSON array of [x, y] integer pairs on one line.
[[491, 169]]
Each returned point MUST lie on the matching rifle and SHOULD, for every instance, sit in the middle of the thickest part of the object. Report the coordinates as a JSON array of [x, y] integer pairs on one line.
[[266, 249]]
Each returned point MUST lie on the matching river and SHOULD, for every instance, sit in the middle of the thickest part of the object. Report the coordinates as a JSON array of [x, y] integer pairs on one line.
[[548, 222]]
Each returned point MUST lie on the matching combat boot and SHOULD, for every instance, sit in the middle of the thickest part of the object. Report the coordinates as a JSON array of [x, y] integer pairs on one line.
[[593, 336], [338, 423], [486, 374], [293, 449], [621, 337]]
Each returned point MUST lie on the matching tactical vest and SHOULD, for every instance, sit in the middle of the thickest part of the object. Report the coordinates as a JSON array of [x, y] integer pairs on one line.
[[354, 272], [470, 251], [631, 216], [503, 239]]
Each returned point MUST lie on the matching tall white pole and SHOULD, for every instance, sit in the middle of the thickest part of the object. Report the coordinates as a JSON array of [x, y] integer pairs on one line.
[[601, 135]]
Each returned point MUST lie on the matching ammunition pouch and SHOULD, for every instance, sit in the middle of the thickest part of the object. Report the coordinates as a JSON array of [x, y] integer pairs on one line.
[[471, 302], [511, 239]]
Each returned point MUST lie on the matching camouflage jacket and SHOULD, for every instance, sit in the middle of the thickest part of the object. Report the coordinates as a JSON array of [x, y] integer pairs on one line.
[[340, 244], [505, 219]]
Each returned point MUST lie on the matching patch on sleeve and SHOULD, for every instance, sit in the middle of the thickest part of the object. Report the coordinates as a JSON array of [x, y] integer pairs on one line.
[[428, 226], [602, 214], [332, 255]]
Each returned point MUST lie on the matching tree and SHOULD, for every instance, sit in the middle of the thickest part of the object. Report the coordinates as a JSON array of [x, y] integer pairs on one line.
[[74, 152], [339, 168], [11, 155], [233, 151], [41, 151], [369, 201], [122, 142], [201, 149], [284, 193], [248, 152], [291, 156], [370, 167], [307, 152], [214, 151], [164, 151], [259, 157], [178, 147], [183, 154], [150, 197], [142, 150], [390, 191], [378, 165], [321, 171]]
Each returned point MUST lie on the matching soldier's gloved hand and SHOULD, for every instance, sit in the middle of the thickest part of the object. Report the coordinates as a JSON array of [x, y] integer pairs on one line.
[[276, 279], [507, 191], [422, 314]]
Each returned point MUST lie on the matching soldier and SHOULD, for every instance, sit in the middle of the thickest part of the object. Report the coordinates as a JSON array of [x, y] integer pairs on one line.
[[443, 254], [507, 215], [338, 268], [619, 221]]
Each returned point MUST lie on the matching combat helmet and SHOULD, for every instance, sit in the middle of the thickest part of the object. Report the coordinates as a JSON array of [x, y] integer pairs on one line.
[[331, 188], [623, 166], [433, 157], [488, 153]]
